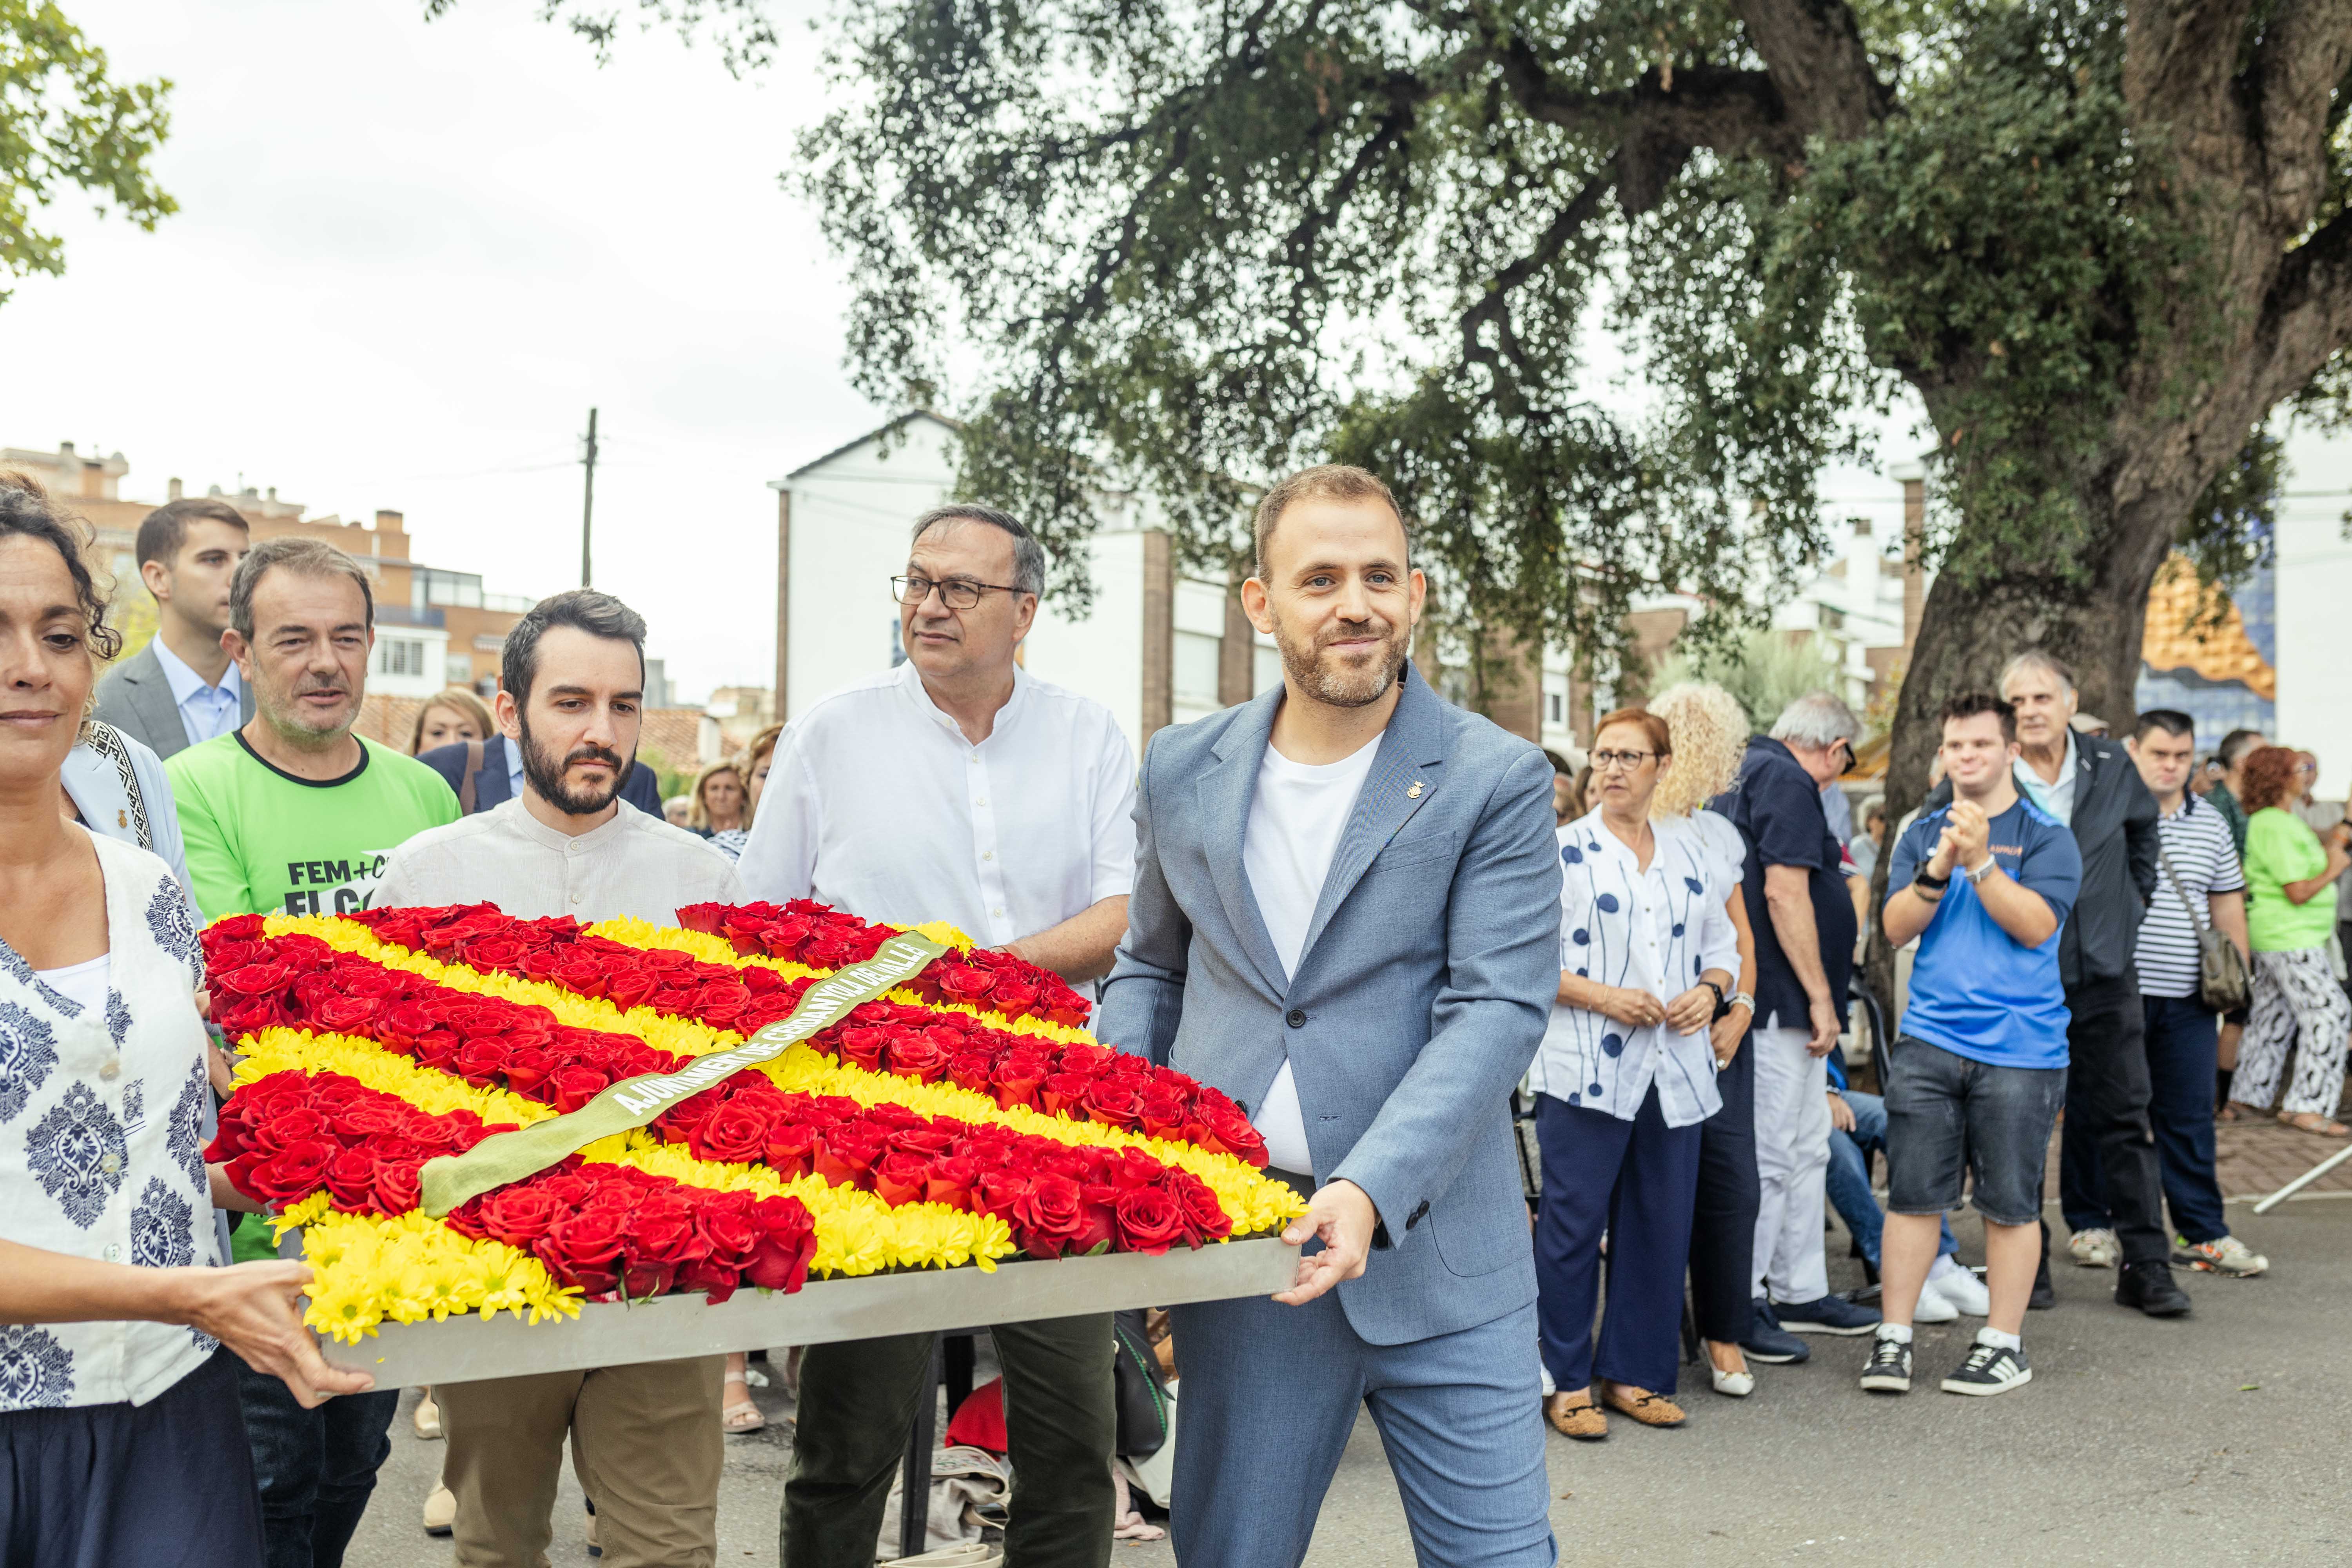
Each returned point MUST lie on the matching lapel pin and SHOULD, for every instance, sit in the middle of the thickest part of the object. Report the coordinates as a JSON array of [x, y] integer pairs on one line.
[[1414, 793], [123, 819]]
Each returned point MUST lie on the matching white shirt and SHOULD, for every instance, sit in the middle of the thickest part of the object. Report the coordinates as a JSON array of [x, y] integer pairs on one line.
[[1656, 931], [877, 805], [634, 865], [205, 711], [1296, 816], [102, 1106], [2198, 845], [2055, 800]]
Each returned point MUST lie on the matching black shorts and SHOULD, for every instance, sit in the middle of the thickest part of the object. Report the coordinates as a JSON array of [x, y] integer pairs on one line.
[[1948, 1114]]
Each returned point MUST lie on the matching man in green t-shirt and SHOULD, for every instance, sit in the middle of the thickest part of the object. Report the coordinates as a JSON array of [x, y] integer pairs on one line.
[[294, 815]]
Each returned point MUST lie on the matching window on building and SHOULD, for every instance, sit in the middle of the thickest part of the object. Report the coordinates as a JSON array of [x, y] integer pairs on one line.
[[399, 655], [1196, 669], [1555, 708], [459, 669]]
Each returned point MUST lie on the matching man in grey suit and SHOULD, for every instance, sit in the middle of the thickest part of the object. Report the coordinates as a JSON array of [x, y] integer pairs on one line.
[[1345, 916], [183, 688]]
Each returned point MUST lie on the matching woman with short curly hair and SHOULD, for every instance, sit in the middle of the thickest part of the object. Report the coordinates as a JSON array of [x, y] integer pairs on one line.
[[1709, 730], [2290, 914]]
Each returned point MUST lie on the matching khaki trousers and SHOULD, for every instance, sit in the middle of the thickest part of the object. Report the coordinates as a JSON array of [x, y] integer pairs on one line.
[[645, 1443]]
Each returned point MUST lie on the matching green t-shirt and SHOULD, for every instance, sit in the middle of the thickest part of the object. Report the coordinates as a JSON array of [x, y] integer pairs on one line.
[[260, 841], [2219, 798], [2280, 849]]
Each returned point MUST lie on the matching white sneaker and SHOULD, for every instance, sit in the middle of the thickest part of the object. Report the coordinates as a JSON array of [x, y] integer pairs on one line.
[[1933, 1308], [1961, 1287], [1547, 1389], [2094, 1248], [2227, 1255]]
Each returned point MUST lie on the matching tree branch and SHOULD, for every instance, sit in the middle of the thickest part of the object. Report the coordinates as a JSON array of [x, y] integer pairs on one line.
[[2307, 318], [1813, 50], [2306, 47], [1496, 307]]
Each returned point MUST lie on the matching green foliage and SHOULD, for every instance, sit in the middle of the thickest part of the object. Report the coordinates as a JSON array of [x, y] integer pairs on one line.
[[1765, 669], [63, 123]]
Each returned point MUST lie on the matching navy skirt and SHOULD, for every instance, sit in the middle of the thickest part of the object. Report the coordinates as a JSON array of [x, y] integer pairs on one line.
[[125, 1485]]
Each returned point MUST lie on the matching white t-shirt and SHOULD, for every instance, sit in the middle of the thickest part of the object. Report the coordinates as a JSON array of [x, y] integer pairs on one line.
[[83, 983], [1296, 819]]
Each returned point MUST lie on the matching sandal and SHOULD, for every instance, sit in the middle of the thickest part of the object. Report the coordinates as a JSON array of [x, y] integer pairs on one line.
[[739, 1416], [2313, 1122], [1649, 1409], [1583, 1421], [2230, 1112]]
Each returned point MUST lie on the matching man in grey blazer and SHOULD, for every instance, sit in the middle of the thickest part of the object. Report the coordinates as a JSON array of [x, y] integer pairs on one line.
[[183, 688], [1345, 916]]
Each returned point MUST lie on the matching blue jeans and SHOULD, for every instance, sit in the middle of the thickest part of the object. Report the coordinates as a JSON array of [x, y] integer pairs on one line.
[[314, 1467], [1849, 1176], [2182, 1037]]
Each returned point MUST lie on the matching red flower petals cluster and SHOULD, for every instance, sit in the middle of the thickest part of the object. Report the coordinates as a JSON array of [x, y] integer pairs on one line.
[[298, 982], [1085, 1082], [287, 1136], [806, 931], [605, 1228]]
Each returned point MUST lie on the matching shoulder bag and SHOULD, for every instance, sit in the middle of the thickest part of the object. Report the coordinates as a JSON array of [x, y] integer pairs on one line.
[[2223, 982]]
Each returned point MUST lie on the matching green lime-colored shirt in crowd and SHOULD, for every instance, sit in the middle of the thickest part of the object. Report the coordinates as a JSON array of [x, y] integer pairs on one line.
[[2280, 849], [261, 841]]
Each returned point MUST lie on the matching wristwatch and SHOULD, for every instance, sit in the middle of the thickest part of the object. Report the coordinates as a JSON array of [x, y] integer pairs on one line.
[[1721, 1006], [1977, 874], [1924, 877]]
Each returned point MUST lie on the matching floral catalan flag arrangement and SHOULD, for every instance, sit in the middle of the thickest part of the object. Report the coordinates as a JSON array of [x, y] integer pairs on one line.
[[468, 1113]]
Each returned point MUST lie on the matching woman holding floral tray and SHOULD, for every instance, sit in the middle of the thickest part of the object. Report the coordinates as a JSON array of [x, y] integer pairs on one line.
[[119, 1436]]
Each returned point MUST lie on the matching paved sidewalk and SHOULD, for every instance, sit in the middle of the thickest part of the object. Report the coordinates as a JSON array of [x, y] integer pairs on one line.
[[2255, 1159]]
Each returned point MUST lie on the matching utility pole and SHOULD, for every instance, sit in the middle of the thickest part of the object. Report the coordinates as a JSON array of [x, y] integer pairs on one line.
[[588, 500]]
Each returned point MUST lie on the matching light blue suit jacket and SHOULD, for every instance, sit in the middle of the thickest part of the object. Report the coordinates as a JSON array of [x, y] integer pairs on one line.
[[1423, 989]]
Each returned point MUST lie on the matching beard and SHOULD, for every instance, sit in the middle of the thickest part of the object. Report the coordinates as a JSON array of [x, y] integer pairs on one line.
[[545, 774], [1324, 677], [296, 722]]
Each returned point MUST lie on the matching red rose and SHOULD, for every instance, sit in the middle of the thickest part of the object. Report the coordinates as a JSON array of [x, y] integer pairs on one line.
[[294, 1172], [918, 1056], [240, 928], [256, 979], [437, 1047], [1064, 1093], [1150, 1220], [527, 1069], [1200, 1205], [581, 976], [345, 1014], [729, 1230], [583, 1249], [496, 953], [481, 1062], [1230, 1131], [1012, 998], [1163, 1114], [1045, 1217], [787, 1240], [846, 1153], [576, 1085], [519, 1215], [1018, 1077], [735, 1133], [1115, 1100], [1091, 1060], [704, 918], [398, 1185], [863, 1046], [1100, 1209], [949, 1180], [373, 1117], [901, 1176], [790, 1148], [630, 988], [659, 1239], [961, 982], [1133, 1168], [1002, 1192], [350, 1178], [970, 1069]]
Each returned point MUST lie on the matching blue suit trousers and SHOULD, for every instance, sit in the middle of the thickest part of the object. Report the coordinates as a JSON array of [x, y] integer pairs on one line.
[[1269, 1396]]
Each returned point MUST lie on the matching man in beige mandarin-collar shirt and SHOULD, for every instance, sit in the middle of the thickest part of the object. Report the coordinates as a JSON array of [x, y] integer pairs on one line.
[[646, 1439]]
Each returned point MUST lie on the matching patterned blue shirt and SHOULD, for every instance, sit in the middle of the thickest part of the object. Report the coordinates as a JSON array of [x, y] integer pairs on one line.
[[100, 1150], [1657, 931]]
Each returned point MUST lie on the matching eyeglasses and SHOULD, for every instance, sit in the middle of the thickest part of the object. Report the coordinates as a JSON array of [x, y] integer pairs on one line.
[[1603, 762], [956, 593]]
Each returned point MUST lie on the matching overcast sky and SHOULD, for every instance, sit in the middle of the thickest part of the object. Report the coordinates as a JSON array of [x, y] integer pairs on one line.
[[410, 255]]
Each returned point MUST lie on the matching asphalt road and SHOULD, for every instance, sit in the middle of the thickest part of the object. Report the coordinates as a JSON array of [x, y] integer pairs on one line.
[[2219, 1439]]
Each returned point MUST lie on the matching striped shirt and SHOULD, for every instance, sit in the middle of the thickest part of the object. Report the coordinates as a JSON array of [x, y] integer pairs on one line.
[[2197, 840]]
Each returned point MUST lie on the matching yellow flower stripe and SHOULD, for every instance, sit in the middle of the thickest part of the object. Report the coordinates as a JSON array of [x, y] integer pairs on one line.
[[856, 1231], [632, 932], [366, 1268], [1252, 1201]]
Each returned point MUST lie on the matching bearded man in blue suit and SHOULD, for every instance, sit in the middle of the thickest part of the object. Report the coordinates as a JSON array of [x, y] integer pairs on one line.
[[1345, 916]]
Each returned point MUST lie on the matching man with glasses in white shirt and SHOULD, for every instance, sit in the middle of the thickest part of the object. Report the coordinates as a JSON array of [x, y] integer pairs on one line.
[[958, 787]]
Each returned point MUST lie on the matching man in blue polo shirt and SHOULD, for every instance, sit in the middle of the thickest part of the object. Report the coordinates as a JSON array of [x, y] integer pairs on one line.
[[1980, 1069]]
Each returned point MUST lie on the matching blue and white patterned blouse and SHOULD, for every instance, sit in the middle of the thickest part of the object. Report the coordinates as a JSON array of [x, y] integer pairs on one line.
[[99, 1139], [1656, 932]]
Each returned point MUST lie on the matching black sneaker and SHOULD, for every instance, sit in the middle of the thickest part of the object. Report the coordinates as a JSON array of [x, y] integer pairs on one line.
[[2045, 1295], [1888, 1371], [1989, 1369], [2149, 1286], [1829, 1315], [1767, 1340]]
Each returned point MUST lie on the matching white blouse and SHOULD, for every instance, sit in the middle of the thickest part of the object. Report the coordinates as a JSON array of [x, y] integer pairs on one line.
[[101, 1156], [1656, 931]]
